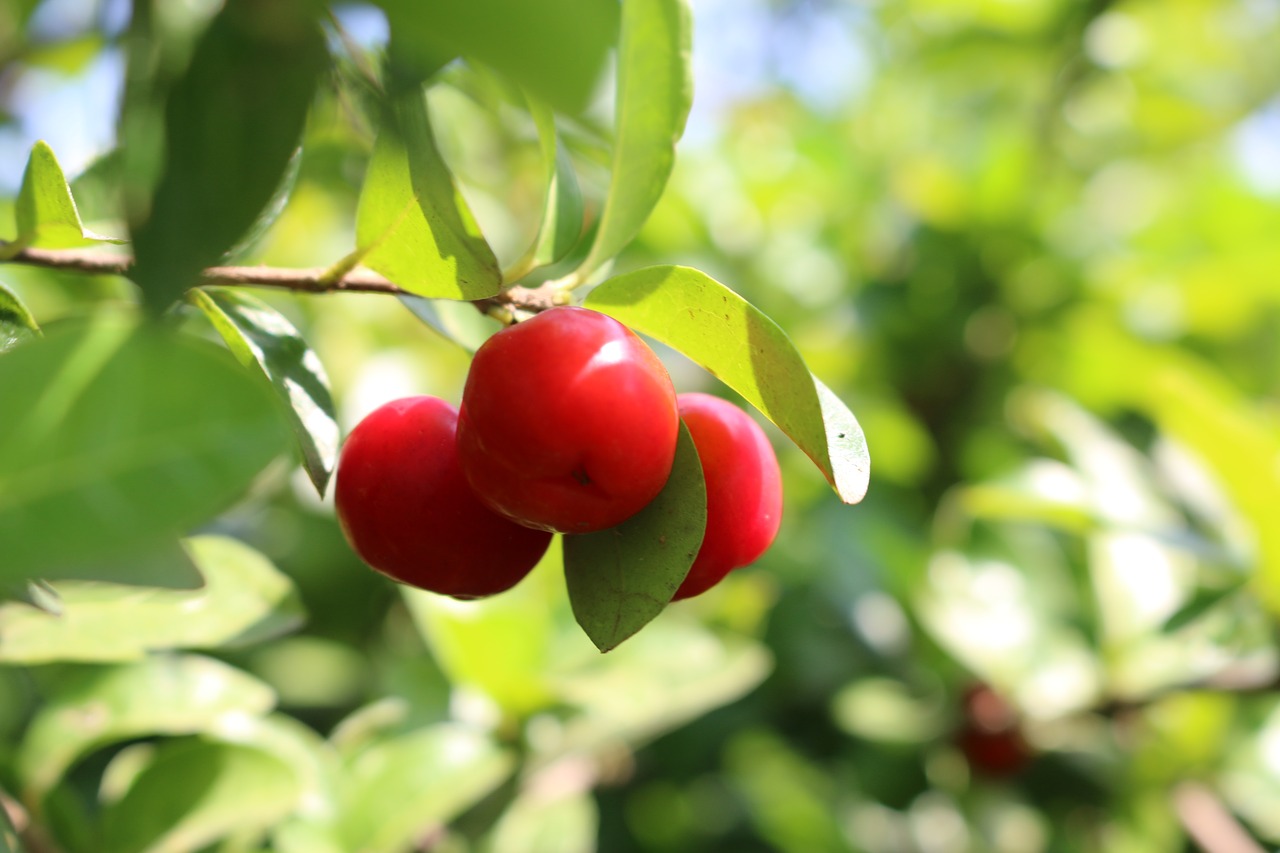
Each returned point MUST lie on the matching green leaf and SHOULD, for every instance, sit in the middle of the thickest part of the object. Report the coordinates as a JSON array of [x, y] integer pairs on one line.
[[552, 821], [412, 224], [261, 336], [500, 646], [1204, 600], [665, 677], [402, 787], [621, 578], [457, 322], [553, 47], [164, 564], [117, 439], [718, 329], [195, 792], [9, 840], [106, 704], [231, 124], [45, 210], [244, 600], [562, 210], [16, 323], [655, 92]]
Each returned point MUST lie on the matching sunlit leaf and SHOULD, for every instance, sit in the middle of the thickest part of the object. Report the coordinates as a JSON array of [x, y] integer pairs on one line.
[[718, 329], [100, 705], [245, 599], [413, 225], [502, 645], [562, 209], [259, 335], [1204, 600], [16, 323], [654, 94], [402, 787], [116, 439], [547, 821], [665, 676], [194, 792], [455, 321], [619, 579], [231, 123], [554, 47], [46, 212]]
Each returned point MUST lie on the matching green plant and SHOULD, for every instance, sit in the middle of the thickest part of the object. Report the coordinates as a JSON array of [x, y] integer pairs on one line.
[[407, 510]]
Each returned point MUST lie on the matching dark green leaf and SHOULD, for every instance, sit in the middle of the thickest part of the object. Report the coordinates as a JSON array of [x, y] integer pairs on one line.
[[194, 792], [655, 91], [45, 211], [718, 329], [231, 123], [16, 323], [398, 789], [413, 225], [1204, 600], [553, 47], [107, 704], [259, 335], [244, 600], [621, 578], [164, 564], [116, 439]]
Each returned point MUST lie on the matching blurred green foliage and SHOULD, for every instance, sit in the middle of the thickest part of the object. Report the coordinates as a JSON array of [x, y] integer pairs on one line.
[[1034, 248]]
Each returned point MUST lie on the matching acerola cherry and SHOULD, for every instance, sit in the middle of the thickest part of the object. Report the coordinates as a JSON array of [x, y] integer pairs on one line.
[[744, 489], [406, 509], [568, 422], [989, 735]]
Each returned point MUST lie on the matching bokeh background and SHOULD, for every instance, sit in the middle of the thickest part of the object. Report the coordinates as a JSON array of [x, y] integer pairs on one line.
[[1035, 246]]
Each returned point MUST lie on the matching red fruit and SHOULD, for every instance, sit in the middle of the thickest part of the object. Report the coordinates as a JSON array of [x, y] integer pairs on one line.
[[568, 422], [744, 489], [407, 510], [990, 736]]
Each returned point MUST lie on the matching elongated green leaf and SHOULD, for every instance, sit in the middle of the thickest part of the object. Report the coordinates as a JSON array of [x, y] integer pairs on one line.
[[231, 123], [101, 705], [413, 225], [672, 673], [9, 840], [116, 439], [554, 822], [261, 336], [554, 47], [16, 323], [195, 792], [244, 600], [45, 210], [621, 578], [1204, 600], [562, 208], [164, 564], [655, 91], [696, 315], [457, 322], [402, 787], [501, 646]]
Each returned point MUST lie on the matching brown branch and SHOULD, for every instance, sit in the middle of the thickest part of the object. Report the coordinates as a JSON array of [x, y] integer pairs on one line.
[[311, 280], [1209, 822]]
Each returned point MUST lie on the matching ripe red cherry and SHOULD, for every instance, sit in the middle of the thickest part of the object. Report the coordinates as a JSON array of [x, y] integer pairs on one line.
[[744, 489], [568, 422], [406, 509], [990, 736]]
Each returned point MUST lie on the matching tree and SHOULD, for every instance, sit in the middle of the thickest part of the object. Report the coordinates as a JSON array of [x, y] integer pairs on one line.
[[1029, 241]]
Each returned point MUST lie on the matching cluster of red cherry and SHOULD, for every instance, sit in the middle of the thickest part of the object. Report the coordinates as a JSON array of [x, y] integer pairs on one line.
[[568, 424]]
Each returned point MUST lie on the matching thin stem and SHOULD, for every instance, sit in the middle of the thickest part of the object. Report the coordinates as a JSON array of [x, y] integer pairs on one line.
[[311, 280]]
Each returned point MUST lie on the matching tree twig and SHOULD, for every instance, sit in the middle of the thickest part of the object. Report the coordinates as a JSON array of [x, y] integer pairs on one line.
[[1209, 822], [308, 280]]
